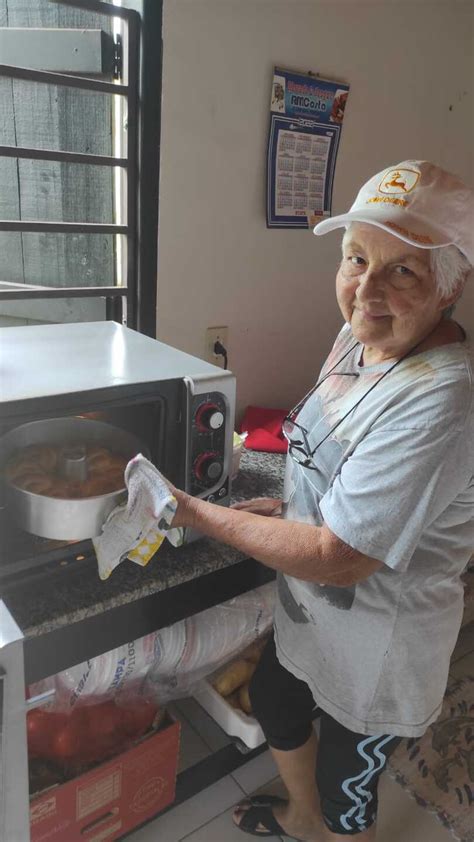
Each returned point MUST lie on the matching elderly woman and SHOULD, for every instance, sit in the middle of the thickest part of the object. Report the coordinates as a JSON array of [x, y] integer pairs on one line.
[[376, 525]]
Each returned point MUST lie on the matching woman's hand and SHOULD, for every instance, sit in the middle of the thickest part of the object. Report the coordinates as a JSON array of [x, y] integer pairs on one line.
[[183, 515], [266, 506]]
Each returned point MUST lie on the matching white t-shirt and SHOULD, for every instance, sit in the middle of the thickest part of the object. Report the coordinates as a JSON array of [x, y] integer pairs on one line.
[[394, 481]]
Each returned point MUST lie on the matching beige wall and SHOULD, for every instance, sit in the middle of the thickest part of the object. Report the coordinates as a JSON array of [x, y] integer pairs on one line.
[[410, 67]]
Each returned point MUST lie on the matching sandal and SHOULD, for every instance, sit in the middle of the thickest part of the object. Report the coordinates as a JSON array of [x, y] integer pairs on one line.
[[260, 812]]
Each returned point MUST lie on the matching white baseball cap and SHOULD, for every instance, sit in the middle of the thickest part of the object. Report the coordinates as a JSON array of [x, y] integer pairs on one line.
[[417, 202]]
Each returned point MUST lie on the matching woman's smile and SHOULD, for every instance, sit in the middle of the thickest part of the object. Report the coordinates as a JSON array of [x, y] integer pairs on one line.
[[371, 317]]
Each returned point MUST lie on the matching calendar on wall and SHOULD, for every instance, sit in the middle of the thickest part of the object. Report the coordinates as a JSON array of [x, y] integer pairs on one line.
[[306, 114]]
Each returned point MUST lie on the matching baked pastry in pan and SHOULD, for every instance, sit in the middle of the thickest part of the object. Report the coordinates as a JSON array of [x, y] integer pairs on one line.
[[39, 469]]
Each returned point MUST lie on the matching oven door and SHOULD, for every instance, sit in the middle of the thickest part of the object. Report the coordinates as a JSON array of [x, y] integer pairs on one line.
[[154, 413]]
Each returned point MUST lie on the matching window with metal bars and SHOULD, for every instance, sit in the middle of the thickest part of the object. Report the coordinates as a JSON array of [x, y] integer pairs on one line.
[[73, 266]]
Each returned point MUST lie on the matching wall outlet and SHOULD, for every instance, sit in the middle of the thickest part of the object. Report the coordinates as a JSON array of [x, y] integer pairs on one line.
[[213, 335]]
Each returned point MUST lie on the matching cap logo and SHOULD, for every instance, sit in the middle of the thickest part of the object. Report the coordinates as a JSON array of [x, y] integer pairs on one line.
[[399, 181], [410, 235], [391, 200]]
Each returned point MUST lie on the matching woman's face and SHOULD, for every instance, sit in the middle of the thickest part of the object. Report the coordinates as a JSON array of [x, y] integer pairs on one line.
[[386, 291]]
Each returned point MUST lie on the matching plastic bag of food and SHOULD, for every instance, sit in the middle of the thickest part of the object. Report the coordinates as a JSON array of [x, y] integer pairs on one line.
[[169, 663], [208, 640], [89, 734], [104, 677]]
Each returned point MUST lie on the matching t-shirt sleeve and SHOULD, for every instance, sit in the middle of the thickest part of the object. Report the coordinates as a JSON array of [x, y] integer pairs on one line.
[[393, 486]]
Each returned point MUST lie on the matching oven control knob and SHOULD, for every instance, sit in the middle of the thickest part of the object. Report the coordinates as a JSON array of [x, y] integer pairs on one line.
[[208, 467], [209, 417]]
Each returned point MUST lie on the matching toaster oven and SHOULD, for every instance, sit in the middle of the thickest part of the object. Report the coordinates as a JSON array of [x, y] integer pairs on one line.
[[180, 408]]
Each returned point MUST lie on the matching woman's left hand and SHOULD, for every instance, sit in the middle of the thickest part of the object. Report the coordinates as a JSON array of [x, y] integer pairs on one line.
[[266, 506]]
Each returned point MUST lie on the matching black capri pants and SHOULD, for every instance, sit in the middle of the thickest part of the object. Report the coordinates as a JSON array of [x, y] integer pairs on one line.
[[349, 765]]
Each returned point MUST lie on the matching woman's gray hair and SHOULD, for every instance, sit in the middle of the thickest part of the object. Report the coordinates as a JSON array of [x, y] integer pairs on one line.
[[448, 265]]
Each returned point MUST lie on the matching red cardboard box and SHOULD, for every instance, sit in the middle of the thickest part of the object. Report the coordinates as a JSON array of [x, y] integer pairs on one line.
[[113, 798]]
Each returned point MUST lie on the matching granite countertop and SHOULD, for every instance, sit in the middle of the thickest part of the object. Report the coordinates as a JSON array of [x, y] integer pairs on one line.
[[49, 604]]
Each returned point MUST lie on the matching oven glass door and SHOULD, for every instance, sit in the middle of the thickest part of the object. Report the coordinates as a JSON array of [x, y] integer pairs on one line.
[[154, 417]]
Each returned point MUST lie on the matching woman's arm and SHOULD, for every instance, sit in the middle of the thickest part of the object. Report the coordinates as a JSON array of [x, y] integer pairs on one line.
[[307, 552]]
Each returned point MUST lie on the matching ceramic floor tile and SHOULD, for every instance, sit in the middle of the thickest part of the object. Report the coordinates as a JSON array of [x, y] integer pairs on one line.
[[203, 724], [256, 772], [192, 746], [221, 829], [275, 787], [192, 814]]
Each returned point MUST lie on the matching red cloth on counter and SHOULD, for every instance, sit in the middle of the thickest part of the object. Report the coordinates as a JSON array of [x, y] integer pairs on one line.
[[264, 429]]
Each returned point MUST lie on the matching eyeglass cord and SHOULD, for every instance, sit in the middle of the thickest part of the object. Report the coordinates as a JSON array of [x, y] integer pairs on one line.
[[308, 394], [363, 396]]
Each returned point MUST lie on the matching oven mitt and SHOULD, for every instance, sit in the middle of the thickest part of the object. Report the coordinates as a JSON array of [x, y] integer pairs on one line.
[[136, 529]]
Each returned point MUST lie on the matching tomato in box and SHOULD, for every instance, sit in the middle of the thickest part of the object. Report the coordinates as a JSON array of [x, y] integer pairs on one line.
[[138, 717], [41, 728], [66, 743], [90, 733], [112, 799], [102, 720], [103, 733]]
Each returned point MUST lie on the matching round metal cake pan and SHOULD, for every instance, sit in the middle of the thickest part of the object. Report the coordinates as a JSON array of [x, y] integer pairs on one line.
[[66, 520]]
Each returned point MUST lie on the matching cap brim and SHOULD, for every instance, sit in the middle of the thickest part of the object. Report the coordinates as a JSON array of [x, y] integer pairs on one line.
[[372, 216]]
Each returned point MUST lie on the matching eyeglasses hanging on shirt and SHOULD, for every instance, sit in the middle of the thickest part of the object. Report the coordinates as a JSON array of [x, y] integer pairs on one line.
[[297, 435]]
